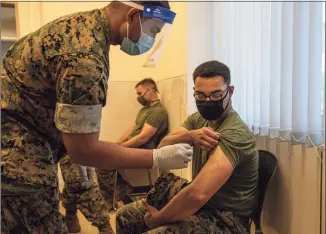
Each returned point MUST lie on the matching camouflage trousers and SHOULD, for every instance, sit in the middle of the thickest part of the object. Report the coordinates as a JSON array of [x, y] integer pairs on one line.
[[81, 192], [130, 218], [106, 179], [30, 209]]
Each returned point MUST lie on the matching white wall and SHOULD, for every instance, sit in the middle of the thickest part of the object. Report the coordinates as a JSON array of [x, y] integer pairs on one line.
[[173, 97], [29, 17], [120, 111]]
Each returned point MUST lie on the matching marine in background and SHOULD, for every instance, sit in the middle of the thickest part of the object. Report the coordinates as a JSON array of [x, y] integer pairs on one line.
[[150, 126]]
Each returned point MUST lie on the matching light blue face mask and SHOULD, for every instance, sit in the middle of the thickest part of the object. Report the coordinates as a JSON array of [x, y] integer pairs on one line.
[[144, 44]]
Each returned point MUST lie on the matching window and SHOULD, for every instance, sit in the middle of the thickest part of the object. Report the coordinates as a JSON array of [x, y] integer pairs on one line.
[[274, 51]]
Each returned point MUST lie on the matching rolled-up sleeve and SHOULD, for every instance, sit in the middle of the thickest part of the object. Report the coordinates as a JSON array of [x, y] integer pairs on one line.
[[78, 119], [237, 145], [81, 92]]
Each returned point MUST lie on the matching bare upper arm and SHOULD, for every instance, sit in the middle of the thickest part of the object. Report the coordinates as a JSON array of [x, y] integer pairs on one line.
[[213, 175], [148, 131], [79, 145]]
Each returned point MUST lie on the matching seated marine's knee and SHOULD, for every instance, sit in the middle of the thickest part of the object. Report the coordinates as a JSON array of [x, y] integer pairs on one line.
[[123, 211], [131, 211]]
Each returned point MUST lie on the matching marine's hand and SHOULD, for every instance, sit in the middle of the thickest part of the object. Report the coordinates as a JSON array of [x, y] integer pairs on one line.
[[151, 217], [172, 156], [206, 138]]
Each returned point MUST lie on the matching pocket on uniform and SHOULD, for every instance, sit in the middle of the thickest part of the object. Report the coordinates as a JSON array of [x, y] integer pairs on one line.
[[38, 205]]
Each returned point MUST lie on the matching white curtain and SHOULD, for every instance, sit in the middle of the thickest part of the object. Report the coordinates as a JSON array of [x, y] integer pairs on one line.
[[274, 51]]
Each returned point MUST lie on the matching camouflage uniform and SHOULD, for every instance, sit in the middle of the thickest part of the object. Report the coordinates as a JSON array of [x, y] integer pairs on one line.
[[34, 210], [106, 179], [56, 80], [130, 218], [82, 193]]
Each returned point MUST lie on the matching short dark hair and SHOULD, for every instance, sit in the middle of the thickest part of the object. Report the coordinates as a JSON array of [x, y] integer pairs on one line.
[[147, 81], [211, 69], [165, 4]]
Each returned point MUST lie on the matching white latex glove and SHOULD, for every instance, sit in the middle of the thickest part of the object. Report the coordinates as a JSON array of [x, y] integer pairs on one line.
[[172, 156]]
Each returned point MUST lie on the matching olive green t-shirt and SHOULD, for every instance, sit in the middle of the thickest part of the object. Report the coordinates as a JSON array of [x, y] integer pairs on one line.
[[156, 116], [238, 194]]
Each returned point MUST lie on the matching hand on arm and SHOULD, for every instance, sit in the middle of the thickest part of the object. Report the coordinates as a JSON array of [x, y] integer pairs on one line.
[[144, 136], [125, 136], [189, 200], [206, 138]]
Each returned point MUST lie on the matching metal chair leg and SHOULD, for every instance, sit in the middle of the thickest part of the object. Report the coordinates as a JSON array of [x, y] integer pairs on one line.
[[128, 197], [114, 202]]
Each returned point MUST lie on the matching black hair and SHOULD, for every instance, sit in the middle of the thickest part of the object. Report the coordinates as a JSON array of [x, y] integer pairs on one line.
[[147, 81], [212, 69], [165, 4]]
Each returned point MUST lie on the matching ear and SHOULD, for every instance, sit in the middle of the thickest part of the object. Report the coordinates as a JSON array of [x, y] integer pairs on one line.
[[231, 90], [132, 13]]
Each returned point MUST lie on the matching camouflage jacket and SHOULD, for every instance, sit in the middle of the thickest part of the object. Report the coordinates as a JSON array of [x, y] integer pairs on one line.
[[55, 79]]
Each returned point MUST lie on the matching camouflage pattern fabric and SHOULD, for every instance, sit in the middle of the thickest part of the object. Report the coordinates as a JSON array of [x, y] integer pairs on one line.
[[106, 180], [82, 193], [35, 211], [130, 218], [54, 79]]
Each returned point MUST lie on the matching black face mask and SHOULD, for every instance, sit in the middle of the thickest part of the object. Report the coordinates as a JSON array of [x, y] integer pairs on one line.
[[142, 100], [211, 110]]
